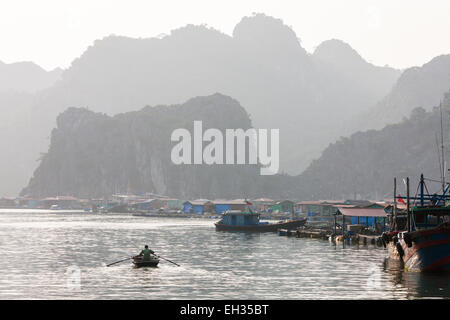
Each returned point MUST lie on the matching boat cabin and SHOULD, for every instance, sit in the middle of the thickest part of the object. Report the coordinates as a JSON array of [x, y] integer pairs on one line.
[[240, 218], [426, 210]]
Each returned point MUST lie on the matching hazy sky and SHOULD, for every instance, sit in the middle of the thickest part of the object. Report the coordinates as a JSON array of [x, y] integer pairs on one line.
[[400, 33]]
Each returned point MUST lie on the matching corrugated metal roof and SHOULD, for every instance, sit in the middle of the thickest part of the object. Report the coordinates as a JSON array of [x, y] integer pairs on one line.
[[238, 201], [319, 202], [362, 212], [199, 202], [281, 201], [60, 198], [322, 202], [346, 206], [263, 200]]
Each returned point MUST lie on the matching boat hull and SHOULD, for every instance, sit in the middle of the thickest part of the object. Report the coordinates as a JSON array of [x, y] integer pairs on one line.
[[428, 250], [271, 227], [138, 263]]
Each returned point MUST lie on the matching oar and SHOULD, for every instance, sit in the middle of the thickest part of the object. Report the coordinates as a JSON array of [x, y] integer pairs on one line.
[[118, 261], [168, 260]]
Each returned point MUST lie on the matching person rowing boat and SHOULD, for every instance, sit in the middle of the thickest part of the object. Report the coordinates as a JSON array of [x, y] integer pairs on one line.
[[146, 253], [146, 258]]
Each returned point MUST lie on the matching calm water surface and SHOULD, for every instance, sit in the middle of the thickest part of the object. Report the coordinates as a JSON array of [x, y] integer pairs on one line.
[[63, 255]]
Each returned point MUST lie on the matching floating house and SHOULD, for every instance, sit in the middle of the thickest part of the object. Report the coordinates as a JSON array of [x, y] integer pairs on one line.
[[324, 210], [62, 202], [373, 216], [263, 204], [7, 202], [286, 206], [27, 202], [172, 203], [198, 206], [221, 206], [150, 204], [127, 198], [321, 208]]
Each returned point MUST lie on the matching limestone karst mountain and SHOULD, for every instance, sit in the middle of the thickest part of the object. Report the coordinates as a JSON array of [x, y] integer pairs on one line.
[[417, 87], [365, 164], [26, 77], [262, 65], [93, 154]]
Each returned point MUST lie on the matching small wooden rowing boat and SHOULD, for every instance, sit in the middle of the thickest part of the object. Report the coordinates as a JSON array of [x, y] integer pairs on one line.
[[139, 262]]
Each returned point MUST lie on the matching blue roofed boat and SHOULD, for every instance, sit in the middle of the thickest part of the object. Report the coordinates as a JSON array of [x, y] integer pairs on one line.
[[237, 220]]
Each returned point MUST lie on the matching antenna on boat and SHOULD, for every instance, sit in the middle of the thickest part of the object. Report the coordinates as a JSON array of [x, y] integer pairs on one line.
[[442, 148], [439, 156], [394, 222]]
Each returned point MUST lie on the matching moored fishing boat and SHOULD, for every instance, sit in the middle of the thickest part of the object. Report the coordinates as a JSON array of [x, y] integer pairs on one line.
[[236, 220], [423, 244]]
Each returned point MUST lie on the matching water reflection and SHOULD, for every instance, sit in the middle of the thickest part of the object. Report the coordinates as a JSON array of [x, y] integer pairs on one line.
[[38, 248], [419, 284]]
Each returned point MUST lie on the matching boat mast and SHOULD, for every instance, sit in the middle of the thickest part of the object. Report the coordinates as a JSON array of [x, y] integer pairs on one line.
[[395, 205], [407, 205], [422, 183]]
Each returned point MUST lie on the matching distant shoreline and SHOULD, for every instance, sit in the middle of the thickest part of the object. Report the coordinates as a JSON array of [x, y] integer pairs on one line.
[[209, 216]]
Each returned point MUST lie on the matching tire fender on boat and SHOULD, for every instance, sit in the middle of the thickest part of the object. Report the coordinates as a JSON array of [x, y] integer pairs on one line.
[[384, 239], [400, 249], [407, 239], [395, 239]]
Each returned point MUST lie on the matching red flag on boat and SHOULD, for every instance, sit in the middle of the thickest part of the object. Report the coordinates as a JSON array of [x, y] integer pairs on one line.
[[248, 203], [400, 199]]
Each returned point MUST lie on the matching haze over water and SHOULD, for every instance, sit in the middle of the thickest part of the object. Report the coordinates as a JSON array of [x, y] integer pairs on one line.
[[42, 251]]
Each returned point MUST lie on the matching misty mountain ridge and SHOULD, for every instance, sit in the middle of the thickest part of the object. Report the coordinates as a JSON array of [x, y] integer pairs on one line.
[[262, 65], [365, 164], [26, 77], [313, 98], [417, 87]]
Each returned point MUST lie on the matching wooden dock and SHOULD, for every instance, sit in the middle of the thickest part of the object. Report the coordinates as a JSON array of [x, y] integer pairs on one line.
[[304, 233], [327, 234]]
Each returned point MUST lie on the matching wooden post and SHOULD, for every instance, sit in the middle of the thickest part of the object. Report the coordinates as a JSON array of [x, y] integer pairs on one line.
[[335, 221], [343, 232]]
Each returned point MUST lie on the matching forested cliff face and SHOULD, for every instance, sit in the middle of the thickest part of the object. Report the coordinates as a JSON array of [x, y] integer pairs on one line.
[[93, 154], [365, 164]]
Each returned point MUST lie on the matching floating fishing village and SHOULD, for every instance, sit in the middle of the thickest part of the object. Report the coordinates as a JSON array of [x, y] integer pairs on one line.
[[414, 230], [223, 151]]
